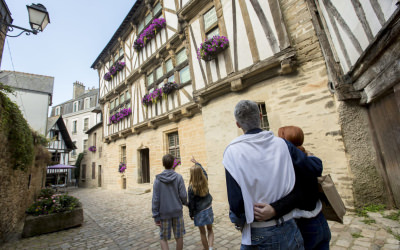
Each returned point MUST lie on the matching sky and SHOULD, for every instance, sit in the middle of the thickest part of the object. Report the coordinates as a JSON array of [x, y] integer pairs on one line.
[[77, 33]]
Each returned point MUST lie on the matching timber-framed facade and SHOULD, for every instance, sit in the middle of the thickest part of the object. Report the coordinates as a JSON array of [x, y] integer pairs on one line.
[[274, 58]]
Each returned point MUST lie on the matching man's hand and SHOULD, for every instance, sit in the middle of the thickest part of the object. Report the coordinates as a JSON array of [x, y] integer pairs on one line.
[[263, 212], [158, 223]]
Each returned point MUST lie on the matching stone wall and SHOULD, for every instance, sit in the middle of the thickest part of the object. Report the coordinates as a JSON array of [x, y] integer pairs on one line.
[[191, 142], [18, 189]]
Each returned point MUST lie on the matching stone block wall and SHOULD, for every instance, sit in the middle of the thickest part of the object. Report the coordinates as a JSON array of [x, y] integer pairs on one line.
[[191, 142], [18, 189]]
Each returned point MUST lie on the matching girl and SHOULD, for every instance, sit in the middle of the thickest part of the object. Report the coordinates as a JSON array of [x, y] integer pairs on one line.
[[200, 204]]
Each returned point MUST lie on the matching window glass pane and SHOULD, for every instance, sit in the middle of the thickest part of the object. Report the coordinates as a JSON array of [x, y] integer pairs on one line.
[[127, 95], [140, 27], [147, 19], [116, 102], [214, 32], [121, 52], [122, 98], [150, 79], [181, 56], [110, 64], [112, 105], [184, 74], [171, 78], [157, 8], [210, 18], [169, 66], [116, 57], [159, 72]]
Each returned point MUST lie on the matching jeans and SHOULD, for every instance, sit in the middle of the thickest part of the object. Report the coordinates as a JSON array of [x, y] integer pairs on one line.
[[282, 236], [315, 232]]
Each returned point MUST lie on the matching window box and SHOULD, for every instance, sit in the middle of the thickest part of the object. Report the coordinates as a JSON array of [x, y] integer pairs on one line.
[[210, 48], [148, 34]]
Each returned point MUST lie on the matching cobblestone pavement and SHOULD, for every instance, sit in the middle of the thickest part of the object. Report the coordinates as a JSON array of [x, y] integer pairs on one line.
[[122, 220]]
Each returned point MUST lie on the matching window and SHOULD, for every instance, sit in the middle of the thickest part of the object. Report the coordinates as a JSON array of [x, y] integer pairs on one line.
[[93, 170], [181, 57], [83, 172], [116, 56], [127, 95], [168, 65], [173, 144], [74, 127], [55, 157], [150, 79], [140, 27], [54, 134], [122, 98], [264, 120], [75, 107], [85, 146], [156, 9], [85, 124], [94, 139], [57, 111], [87, 103], [171, 78], [121, 52], [184, 75], [116, 102], [73, 153], [112, 105], [147, 19], [211, 23], [123, 154], [159, 72], [110, 64]]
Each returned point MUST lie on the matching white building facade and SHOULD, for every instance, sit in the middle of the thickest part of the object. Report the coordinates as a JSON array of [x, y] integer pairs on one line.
[[78, 117], [33, 94]]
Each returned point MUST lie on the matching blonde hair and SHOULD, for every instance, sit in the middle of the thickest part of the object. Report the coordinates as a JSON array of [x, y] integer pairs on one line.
[[198, 181]]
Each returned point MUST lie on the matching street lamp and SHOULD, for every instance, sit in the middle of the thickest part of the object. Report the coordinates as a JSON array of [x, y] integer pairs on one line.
[[38, 19]]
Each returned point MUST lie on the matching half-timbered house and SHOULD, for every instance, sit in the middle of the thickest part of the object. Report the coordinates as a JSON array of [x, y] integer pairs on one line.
[[268, 51], [59, 146]]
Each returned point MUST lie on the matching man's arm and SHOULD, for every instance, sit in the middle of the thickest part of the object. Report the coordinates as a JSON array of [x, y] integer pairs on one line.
[[182, 191], [235, 199], [156, 202], [306, 168]]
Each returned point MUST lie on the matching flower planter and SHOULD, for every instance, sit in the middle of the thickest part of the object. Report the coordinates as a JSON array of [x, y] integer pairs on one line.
[[210, 48], [35, 225]]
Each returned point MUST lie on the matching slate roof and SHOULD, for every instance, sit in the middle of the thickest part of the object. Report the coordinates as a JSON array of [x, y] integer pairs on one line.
[[51, 121], [26, 81]]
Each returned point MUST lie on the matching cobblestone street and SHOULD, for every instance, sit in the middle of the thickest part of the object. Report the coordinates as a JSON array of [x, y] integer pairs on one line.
[[122, 220]]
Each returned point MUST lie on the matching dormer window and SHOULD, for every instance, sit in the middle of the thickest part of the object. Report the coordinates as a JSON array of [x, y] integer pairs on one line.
[[87, 103], [75, 106]]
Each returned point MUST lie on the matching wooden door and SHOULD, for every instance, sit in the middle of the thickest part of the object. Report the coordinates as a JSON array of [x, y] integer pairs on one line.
[[144, 166], [99, 176], [385, 120]]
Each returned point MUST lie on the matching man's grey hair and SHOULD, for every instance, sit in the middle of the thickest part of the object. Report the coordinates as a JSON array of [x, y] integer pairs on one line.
[[247, 114]]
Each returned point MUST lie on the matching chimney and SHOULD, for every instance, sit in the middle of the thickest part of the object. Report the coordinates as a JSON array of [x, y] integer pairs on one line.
[[79, 89]]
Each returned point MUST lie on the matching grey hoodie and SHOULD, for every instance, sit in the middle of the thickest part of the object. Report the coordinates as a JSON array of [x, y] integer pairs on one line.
[[169, 193]]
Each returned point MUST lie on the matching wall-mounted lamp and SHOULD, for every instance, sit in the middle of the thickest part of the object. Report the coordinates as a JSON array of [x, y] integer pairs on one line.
[[38, 19]]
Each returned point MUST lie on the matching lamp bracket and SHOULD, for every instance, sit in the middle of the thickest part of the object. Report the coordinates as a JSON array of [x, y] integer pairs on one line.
[[11, 27]]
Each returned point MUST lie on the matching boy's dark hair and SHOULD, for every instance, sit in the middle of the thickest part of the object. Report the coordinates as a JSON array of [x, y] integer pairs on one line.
[[168, 161]]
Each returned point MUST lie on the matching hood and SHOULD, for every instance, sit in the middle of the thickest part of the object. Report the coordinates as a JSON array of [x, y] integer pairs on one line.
[[167, 176]]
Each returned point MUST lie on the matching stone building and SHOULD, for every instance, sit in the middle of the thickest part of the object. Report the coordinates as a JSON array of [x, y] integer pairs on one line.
[[5, 15], [274, 57], [78, 117]]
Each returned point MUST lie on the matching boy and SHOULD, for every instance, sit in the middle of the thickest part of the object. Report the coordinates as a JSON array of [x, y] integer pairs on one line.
[[169, 193]]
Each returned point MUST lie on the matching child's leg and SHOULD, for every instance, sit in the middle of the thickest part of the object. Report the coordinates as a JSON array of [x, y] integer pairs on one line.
[[179, 243], [164, 244], [203, 236], [210, 235]]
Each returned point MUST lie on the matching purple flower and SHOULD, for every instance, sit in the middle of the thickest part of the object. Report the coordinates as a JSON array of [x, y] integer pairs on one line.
[[113, 71], [107, 76]]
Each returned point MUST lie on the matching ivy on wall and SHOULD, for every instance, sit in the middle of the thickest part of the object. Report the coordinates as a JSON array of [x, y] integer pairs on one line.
[[14, 126]]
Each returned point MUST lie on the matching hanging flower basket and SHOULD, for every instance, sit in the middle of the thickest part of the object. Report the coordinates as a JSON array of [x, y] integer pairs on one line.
[[120, 115], [210, 48], [122, 168], [92, 149], [114, 70], [148, 34], [146, 100], [156, 95], [168, 88]]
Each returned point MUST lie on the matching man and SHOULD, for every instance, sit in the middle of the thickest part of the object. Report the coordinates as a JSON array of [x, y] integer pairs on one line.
[[169, 194], [259, 169]]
